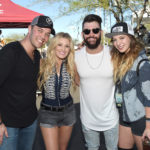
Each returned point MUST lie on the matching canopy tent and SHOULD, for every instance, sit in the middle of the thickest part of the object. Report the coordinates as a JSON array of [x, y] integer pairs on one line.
[[15, 16]]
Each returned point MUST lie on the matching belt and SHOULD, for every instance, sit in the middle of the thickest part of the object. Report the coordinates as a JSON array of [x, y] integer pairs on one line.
[[56, 108]]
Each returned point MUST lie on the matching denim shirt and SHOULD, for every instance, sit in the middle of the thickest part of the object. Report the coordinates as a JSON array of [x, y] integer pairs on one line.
[[56, 91], [136, 90]]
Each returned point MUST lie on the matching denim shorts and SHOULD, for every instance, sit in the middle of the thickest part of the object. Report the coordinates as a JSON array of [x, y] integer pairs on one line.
[[50, 119], [137, 127]]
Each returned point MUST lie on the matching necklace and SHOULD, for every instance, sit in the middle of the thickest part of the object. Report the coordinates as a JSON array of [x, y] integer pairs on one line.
[[99, 64]]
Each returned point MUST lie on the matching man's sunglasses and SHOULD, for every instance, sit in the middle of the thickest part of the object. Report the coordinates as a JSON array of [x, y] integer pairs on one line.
[[87, 31]]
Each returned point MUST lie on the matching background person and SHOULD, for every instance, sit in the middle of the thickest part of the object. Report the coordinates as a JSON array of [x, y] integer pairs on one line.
[[94, 67], [57, 112], [132, 90], [19, 63]]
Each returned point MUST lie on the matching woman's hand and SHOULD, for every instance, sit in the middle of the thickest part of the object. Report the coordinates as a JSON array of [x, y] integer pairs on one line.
[[146, 131]]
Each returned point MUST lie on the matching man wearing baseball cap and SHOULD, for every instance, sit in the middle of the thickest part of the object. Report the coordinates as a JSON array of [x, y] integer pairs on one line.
[[43, 22], [19, 63]]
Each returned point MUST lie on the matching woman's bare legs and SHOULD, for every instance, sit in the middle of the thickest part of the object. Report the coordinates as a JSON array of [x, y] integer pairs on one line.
[[56, 138], [64, 136], [138, 142], [126, 139], [50, 136]]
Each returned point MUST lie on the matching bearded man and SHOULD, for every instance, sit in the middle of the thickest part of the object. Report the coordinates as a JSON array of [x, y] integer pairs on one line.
[[95, 72]]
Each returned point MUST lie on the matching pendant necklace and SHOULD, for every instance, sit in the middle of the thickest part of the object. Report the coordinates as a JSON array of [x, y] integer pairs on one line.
[[96, 67]]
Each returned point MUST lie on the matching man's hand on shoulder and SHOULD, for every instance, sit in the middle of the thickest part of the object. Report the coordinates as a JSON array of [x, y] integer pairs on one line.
[[80, 45]]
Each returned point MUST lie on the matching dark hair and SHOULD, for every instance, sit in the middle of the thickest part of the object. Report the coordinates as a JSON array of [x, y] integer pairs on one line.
[[91, 18]]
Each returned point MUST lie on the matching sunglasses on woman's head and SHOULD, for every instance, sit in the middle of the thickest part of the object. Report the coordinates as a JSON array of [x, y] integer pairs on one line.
[[88, 31]]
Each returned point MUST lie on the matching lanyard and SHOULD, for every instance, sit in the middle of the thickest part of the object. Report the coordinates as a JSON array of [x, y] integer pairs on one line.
[[118, 94]]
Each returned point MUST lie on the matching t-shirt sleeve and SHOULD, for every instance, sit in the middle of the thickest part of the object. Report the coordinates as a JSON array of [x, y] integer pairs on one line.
[[7, 62]]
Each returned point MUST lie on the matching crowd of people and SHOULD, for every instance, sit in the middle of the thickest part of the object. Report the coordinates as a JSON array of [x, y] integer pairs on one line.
[[113, 81]]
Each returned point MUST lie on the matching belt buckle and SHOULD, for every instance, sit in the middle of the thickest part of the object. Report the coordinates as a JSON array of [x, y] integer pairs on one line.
[[55, 109], [62, 108]]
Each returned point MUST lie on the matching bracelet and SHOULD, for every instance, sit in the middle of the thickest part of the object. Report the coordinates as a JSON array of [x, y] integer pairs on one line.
[[147, 119]]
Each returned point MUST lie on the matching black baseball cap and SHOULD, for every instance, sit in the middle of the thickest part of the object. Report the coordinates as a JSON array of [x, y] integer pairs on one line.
[[43, 22], [120, 28]]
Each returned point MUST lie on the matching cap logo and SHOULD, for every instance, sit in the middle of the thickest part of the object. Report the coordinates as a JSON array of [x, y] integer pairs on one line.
[[117, 29], [48, 20]]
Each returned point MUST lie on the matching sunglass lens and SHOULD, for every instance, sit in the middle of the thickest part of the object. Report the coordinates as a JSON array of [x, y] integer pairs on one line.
[[95, 31], [86, 31]]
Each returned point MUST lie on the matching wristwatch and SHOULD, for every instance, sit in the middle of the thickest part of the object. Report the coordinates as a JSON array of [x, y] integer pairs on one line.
[[1, 122]]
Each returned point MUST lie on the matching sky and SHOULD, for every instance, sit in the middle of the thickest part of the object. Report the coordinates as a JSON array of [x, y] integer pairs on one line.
[[61, 24]]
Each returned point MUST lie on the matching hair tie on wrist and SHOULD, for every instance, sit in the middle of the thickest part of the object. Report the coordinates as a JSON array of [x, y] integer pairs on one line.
[[147, 119]]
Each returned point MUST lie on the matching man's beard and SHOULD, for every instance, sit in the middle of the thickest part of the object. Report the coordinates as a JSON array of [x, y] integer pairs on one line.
[[92, 46]]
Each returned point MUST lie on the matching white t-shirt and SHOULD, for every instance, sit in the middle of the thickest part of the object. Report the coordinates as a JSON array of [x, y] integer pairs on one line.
[[98, 108]]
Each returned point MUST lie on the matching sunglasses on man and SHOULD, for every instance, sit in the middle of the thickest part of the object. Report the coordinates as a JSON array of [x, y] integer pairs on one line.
[[88, 31]]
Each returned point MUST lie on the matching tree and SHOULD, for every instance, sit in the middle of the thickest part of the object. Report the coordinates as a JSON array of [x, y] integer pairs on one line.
[[14, 37], [122, 10]]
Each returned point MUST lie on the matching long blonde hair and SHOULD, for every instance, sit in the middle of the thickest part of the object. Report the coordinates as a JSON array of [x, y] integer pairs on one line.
[[122, 62], [47, 64]]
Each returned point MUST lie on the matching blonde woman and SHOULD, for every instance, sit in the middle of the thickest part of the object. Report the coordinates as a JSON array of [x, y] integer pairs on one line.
[[57, 113], [132, 78]]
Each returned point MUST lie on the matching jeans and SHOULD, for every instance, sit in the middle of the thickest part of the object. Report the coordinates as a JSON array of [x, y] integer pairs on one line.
[[92, 138], [19, 138]]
